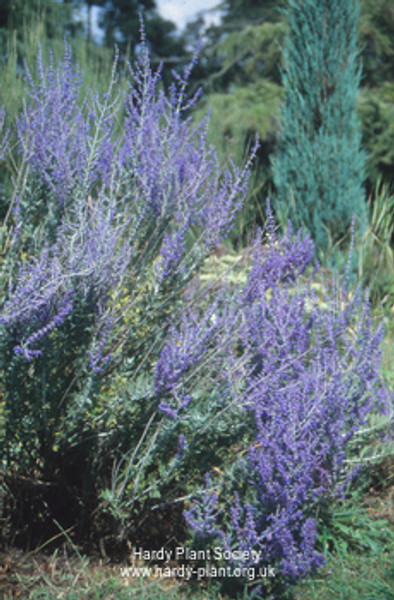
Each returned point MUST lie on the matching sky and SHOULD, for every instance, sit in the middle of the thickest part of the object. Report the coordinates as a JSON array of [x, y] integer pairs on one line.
[[181, 11]]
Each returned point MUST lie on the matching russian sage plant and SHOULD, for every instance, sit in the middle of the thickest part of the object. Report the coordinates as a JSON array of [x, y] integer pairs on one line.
[[125, 381], [117, 200], [310, 378]]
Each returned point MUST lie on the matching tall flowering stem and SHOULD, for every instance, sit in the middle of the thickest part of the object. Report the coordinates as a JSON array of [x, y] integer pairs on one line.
[[310, 380]]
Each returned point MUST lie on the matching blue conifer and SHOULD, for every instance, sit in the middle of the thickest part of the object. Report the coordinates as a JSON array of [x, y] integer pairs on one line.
[[319, 167]]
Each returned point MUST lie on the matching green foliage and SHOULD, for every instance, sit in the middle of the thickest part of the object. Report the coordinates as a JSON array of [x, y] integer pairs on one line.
[[377, 42], [358, 546], [96, 62], [246, 55], [241, 73], [236, 117], [15, 15], [376, 107], [121, 24], [376, 102], [375, 251]]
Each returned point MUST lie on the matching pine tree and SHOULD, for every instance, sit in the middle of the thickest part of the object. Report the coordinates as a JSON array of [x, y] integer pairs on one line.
[[319, 167]]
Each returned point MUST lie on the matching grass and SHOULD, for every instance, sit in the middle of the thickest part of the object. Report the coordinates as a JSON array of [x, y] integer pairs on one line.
[[357, 538], [388, 347], [360, 559], [353, 577], [35, 576]]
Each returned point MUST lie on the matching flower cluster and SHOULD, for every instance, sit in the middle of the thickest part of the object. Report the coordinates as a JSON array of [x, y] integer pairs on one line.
[[99, 201], [57, 132], [310, 380], [87, 259]]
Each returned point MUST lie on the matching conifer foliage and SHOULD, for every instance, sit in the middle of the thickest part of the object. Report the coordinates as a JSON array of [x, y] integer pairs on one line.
[[319, 168]]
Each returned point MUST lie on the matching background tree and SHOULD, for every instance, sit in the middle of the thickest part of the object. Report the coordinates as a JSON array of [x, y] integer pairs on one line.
[[120, 21], [376, 103]]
